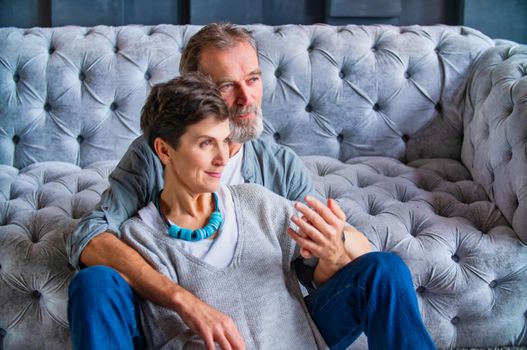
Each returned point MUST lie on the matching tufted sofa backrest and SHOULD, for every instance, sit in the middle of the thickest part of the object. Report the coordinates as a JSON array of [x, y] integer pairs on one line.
[[74, 94], [495, 143]]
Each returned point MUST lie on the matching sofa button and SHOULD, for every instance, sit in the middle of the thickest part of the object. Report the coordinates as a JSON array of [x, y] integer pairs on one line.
[[342, 74], [309, 108], [340, 138], [2, 332], [438, 107], [455, 320], [36, 294], [376, 107], [420, 289], [113, 106], [493, 284], [16, 78], [455, 257], [115, 49], [276, 136], [82, 76], [407, 75], [51, 50], [405, 138], [80, 139], [16, 139], [47, 107], [148, 76], [374, 48]]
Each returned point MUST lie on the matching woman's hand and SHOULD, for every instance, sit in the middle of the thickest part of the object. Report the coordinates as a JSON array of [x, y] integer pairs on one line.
[[320, 231], [210, 324]]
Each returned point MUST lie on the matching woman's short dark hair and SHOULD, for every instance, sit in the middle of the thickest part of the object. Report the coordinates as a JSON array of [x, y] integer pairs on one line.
[[178, 103]]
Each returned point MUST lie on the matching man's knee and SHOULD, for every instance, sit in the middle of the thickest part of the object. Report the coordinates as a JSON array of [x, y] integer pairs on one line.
[[98, 280], [384, 265]]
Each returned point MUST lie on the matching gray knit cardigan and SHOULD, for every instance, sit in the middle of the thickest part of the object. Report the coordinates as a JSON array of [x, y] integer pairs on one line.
[[258, 290]]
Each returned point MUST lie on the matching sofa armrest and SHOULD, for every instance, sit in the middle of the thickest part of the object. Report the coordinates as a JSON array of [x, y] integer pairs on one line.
[[495, 129]]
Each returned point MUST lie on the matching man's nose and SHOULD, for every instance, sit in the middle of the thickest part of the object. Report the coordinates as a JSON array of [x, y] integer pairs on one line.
[[242, 95]]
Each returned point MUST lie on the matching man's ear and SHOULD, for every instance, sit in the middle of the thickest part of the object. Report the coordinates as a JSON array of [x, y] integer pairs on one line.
[[161, 147]]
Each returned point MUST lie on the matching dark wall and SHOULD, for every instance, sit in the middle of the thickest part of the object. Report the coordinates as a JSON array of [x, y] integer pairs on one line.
[[497, 18]]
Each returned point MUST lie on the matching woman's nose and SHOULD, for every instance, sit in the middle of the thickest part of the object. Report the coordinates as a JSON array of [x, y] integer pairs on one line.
[[222, 156]]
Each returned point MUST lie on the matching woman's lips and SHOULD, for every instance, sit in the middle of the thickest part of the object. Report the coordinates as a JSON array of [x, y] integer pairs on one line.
[[214, 174]]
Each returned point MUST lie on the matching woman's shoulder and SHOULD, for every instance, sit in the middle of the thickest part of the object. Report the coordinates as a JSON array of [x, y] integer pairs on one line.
[[256, 196]]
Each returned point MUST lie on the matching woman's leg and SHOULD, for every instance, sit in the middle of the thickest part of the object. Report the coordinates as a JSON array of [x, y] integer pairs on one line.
[[373, 294], [103, 311]]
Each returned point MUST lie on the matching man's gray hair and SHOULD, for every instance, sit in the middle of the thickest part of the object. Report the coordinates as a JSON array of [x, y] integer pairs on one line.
[[216, 35]]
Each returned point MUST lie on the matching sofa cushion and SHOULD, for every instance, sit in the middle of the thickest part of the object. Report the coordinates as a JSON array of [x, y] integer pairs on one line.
[[467, 264]]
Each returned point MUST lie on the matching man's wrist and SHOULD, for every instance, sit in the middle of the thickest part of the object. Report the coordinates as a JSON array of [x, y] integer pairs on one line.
[[326, 269]]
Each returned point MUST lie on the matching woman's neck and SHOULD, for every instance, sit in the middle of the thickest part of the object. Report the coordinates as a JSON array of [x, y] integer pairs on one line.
[[186, 209]]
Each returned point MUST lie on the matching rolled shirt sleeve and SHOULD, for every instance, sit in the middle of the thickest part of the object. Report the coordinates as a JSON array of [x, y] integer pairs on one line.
[[135, 181]]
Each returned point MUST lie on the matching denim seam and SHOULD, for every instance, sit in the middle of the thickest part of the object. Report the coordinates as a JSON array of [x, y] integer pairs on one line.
[[336, 295]]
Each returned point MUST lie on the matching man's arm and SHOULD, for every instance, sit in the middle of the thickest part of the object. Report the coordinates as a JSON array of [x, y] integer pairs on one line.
[[133, 183], [212, 325]]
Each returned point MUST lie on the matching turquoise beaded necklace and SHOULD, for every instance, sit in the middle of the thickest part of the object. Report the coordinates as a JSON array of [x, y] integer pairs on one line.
[[175, 231]]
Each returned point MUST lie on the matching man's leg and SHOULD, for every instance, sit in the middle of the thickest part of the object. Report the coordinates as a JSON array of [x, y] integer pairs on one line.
[[373, 294], [102, 311]]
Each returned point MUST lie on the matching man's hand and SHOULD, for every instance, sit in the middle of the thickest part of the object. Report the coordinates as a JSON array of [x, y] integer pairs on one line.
[[321, 233], [207, 322]]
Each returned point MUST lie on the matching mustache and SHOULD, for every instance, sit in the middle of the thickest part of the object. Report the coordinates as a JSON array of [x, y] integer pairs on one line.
[[237, 111]]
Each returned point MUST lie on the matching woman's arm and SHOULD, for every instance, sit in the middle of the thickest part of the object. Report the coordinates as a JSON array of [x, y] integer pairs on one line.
[[322, 231]]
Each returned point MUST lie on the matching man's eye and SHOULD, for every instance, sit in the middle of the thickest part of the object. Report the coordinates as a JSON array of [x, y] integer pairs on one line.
[[254, 79], [225, 87], [206, 143]]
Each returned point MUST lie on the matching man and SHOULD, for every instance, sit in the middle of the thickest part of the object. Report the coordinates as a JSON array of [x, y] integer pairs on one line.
[[102, 310]]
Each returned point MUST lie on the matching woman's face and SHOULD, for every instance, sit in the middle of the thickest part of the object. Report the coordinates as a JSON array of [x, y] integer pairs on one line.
[[198, 161]]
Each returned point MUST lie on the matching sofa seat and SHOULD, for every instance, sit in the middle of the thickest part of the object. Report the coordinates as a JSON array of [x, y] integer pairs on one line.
[[455, 241], [40, 205], [466, 261]]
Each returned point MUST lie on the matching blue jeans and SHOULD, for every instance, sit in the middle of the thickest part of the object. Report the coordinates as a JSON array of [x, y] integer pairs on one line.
[[103, 311], [374, 294]]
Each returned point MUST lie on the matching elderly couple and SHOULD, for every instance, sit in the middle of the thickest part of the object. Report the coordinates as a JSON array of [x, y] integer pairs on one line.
[[189, 247]]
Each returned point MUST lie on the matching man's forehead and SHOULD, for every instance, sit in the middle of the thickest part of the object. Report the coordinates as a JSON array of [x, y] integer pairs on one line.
[[220, 63]]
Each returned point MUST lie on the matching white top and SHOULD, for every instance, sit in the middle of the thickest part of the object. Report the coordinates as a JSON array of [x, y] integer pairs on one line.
[[218, 251], [232, 173]]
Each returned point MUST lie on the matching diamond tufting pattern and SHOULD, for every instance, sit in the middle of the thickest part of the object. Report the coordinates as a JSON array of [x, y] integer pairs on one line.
[[420, 133]]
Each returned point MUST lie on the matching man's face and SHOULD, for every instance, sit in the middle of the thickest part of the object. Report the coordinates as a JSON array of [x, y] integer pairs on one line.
[[237, 73]]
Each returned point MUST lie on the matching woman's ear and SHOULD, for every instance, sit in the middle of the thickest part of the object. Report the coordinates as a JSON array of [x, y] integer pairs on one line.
[[161, 147]]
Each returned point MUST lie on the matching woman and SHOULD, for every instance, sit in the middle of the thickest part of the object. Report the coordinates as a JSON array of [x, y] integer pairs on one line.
[[227, 245]]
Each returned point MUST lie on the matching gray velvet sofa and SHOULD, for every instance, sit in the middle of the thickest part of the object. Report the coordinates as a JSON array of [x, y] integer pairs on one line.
[[420, 133]]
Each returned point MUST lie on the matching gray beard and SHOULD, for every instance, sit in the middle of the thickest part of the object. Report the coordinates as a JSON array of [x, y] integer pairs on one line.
[[246, 130]]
